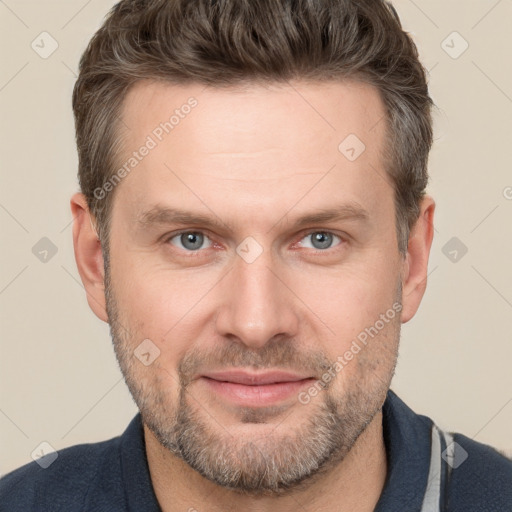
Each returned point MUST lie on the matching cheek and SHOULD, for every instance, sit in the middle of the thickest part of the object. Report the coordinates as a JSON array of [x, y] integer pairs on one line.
[[359, 329], [145, 294], [350, 299], [366, 360], [165, 307]]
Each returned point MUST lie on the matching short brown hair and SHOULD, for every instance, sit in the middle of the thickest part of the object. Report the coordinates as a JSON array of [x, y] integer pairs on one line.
[[228, 42]]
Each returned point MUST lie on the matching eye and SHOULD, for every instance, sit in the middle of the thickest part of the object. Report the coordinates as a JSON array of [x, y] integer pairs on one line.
[[193, 241], [189, 240], [320, 240]]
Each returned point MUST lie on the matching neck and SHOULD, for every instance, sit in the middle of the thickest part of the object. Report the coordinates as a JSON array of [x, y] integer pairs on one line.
[[355, 483]]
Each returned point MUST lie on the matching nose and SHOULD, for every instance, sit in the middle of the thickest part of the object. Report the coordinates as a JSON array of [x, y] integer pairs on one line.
[[256, 304]]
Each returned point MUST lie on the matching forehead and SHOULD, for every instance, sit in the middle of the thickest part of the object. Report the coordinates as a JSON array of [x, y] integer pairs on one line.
[[254, 114], [257, 144]]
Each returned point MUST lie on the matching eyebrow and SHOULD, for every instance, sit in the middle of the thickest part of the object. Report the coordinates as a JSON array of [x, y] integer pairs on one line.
[[160, 216]]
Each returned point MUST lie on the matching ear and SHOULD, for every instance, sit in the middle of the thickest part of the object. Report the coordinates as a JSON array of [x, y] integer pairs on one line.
[[414, 275], [88, 255]]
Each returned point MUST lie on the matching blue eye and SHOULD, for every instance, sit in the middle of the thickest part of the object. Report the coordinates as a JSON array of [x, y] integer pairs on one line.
[[194, 241], [321, 240], [190, 240]]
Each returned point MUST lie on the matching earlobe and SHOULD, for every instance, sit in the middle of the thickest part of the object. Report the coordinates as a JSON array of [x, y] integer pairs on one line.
[[414, 275], [88, 255]]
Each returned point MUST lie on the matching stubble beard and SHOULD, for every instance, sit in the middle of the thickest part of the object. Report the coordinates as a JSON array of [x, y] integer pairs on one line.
[[290, 457]]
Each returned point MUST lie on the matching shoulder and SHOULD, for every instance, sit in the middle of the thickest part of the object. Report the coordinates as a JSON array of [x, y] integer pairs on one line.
[[461, 473], [480, 477], [64, 483]]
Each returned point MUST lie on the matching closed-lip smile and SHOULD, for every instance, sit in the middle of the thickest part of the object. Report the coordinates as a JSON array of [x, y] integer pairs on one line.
[[255, 389]]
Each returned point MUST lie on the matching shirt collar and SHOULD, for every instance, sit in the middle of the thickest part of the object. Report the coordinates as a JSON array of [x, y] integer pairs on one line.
[[407, 437], [140, 496]]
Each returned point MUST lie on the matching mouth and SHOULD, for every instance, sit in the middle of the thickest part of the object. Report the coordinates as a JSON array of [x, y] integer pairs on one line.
[[255, 389]]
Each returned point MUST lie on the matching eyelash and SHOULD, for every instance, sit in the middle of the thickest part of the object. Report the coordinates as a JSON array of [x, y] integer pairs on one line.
[[198, 252]]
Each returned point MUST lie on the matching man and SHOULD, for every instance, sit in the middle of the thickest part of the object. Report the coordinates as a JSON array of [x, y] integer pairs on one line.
[[254, 227]]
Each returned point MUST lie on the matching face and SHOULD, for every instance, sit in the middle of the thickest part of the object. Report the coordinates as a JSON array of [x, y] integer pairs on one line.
[[254, 284]]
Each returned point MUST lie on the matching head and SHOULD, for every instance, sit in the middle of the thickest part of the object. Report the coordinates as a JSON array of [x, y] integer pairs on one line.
[[276, 219]]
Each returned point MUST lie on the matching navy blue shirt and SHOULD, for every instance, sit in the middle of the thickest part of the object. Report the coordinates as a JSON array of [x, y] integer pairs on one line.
[[428, 470]]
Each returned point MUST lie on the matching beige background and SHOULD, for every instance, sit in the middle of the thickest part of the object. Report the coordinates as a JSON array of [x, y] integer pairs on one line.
[[59, 378]]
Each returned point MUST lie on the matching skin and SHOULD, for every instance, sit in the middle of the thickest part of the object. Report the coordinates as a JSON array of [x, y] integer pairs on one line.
[[255, 159]]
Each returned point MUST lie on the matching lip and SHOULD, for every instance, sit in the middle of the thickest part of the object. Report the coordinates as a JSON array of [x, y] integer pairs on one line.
[[255, 389], [255, 379]]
